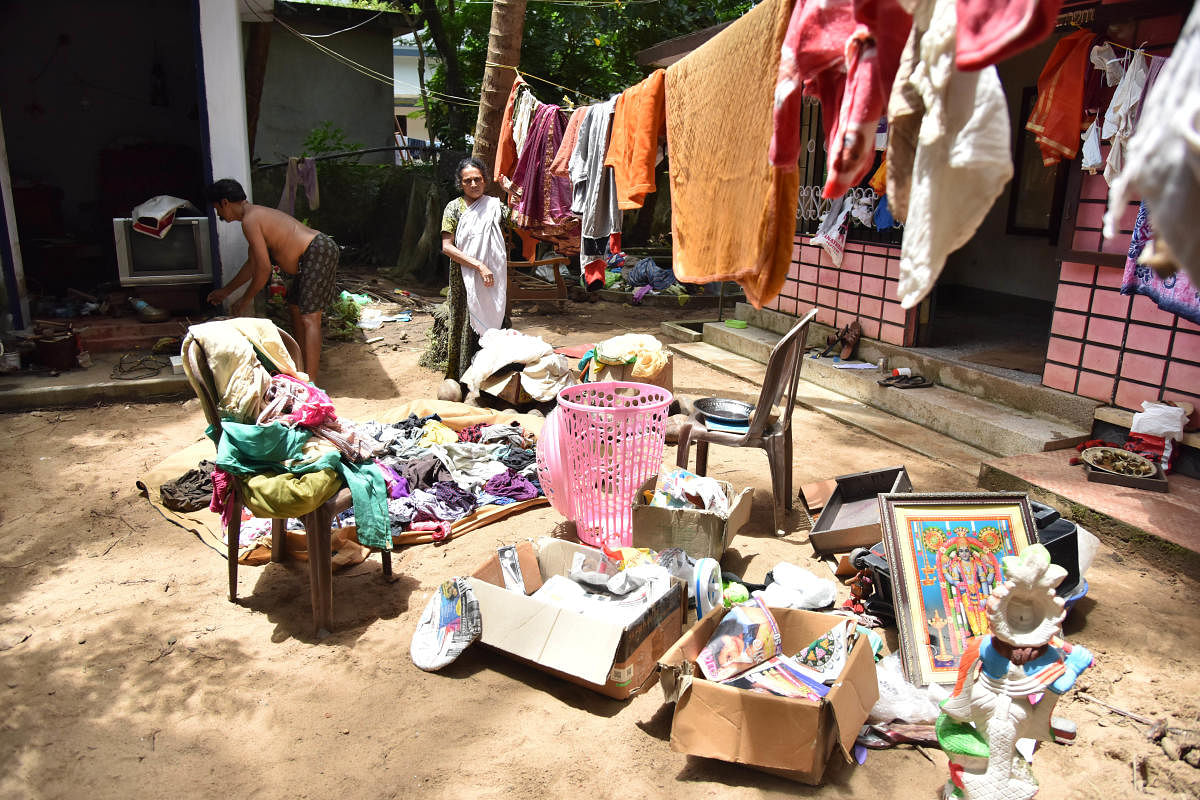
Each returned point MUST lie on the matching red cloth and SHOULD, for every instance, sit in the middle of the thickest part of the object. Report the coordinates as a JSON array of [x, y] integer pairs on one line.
[[506, 146], [845, 53], [638, 121], [990, 31], [1056, 117], [559, 167]]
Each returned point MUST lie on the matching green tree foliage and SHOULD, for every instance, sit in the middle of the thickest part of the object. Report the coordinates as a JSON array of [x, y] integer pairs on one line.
[[587, 46]]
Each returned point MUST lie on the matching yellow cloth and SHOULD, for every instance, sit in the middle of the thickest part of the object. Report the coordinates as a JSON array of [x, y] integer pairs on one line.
[[644, 350], [733, 216], [287, 495], [437, 433], [229, 347], [878, 181]]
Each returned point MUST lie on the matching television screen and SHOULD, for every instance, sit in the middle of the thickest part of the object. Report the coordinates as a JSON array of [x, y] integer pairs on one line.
[[175, 252], [183, 256]]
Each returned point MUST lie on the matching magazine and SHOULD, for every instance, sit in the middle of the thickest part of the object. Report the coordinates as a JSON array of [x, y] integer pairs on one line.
[[825, 658], [746, 636], [779, 676]]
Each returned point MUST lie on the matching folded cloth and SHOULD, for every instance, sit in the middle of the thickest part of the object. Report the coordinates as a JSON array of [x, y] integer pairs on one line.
[[990, 31], [156, 216], [637, 124], [1055, 118], [1163, 159], [948, 153], [719, 124]]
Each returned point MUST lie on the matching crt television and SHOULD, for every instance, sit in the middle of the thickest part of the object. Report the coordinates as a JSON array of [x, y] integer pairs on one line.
[[184, 255]]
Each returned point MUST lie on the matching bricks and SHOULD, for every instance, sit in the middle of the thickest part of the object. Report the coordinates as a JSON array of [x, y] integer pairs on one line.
[[1149, 339], [871, 287], [892, 334], [806, 292], [847, 301], [1106, 331], [1097, 387], [1100, 359], [1132, 395], [1147, 369], [1144, 309], [892, 312], [1078, 273], [1063, 351], [870, 327], [874, 265], [1187, 346], [1067, 324], [849, 281], [1059, 377], [1086, 240], [1110, 303], [1110, 277], [1073, 298], [827, 297], [827, 277], [1183, 377], [809, 273], [870, 307]]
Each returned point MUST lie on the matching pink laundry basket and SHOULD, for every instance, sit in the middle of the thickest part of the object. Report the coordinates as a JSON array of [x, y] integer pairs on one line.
[[612, 434], [552, 464]]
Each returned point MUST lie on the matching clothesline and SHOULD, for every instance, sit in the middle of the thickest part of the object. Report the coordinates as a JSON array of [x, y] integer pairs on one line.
[[1110, 43], [543, 80]]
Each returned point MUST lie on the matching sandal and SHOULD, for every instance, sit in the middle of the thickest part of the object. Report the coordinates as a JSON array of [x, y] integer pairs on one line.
[[913, 382], [892, 380], [850, 339]]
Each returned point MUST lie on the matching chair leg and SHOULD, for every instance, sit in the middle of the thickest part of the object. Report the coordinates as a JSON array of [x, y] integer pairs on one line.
[[775, 459], [787, 469], [701, 457], [387, 563], [322, 545], [278, 527], [233, 534], [685, 445]]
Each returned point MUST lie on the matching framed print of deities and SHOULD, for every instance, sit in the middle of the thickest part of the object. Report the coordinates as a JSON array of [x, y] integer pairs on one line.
[[945, 554]]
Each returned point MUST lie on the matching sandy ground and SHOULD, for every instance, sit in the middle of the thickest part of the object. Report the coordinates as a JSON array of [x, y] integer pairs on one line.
[[126, 672]]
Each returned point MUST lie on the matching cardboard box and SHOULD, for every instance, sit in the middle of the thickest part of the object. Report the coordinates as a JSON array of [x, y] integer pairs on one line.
[[790, 737], [665, 379], [700, 534], [602, 656], [850, 518]]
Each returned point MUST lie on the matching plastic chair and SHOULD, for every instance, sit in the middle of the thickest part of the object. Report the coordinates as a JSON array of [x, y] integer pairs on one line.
[[773, 436], [318, 523]]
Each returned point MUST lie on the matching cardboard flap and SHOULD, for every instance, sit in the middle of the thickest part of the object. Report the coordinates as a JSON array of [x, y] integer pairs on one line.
[[739, 513], [490, 571], [854, 695], [559, 639]]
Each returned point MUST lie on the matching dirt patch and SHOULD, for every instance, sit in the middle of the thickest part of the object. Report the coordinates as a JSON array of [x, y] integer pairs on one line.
[[127, 672]]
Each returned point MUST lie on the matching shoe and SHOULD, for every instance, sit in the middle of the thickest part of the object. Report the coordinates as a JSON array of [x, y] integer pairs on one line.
[[892, 380], [833, 340], [850, 340], [913, 382]]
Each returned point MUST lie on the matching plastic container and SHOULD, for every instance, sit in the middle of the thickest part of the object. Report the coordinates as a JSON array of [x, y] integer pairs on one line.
[[551, 463], [613, 436]]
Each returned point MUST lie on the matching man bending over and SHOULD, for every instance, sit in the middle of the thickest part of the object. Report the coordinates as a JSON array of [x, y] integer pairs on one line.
[[298, 250]]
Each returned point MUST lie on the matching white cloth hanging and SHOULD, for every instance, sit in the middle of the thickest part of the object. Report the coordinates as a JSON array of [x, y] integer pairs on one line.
[[1164, 155], [1123, 113], [478, 235], [1091, 159], [1103, 58]]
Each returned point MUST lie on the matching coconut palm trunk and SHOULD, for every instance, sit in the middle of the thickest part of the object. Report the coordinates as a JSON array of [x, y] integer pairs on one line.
[[504, 47]]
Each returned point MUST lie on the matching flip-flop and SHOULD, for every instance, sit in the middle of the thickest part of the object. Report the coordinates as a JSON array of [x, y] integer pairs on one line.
[[891, 380], [914, 382]]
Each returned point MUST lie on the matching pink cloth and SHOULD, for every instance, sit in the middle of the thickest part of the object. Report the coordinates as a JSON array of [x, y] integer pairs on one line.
[[990, 31], [222, 484], [543, 205], [439, 531], [294, 402], [846, 53]]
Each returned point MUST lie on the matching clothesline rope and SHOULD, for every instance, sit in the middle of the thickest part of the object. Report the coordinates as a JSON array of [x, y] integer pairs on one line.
[[1142, 47], [543, 80]]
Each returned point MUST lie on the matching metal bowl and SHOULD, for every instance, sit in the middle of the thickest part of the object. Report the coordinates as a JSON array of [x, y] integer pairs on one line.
[[721, 409], [1136, 465]]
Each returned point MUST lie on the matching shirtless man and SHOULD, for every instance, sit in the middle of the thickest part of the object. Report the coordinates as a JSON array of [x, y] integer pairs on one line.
[[298, 250]]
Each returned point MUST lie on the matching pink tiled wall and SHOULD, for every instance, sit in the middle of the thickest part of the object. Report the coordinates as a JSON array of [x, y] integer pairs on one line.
[[1116, 348], [863, 287]]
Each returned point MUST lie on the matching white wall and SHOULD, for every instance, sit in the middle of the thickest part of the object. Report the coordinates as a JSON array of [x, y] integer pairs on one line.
[[225, 90]]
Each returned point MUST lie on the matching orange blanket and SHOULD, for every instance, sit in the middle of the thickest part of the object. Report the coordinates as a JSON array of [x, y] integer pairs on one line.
[[506, 147], [559, 167], [633, 144], [1057, 116], [733, 215]]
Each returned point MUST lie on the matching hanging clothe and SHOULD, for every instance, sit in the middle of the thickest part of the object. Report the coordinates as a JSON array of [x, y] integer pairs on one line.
[[594, 189], [1175, 294], [847, 54], [300, 172], [990, 31], [948, 156], [1104, 59], [1122, 113], [541, 203], [1163, 158], [1056, 116], [560, 166], [506, 147], [719, 124], [638, 119]]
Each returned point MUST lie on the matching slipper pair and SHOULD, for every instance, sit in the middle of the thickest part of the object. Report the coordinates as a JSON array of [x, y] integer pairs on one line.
[[906, 382], [847, 337]]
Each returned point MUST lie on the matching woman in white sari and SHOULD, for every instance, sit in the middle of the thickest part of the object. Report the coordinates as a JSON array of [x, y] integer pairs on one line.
[[473, 239]]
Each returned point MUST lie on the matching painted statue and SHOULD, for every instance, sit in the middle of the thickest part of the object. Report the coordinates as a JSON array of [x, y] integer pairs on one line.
[[1008, 683]]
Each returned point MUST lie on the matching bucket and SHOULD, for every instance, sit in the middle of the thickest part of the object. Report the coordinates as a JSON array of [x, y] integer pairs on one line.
[[57, 351], [613, 435]]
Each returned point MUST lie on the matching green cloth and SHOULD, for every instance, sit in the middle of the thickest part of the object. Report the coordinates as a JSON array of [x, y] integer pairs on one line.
[[287, 495], [275, 449]]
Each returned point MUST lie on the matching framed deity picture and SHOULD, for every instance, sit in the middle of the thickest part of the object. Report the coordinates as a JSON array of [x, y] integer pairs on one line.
[[945, 551]]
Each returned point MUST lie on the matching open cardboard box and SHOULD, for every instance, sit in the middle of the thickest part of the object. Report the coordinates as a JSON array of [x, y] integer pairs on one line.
[[850, 517], [665, 379], [602, 656], [699, 533], [790, 737]]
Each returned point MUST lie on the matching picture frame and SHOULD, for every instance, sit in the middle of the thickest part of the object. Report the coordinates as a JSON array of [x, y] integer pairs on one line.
[[945, 550]]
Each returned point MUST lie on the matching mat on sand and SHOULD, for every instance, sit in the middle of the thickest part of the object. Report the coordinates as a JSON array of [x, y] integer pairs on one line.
[[207, 525]]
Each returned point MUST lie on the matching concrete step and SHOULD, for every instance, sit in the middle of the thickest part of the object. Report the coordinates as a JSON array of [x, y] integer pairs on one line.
[[1032, 398], [989, 426], [844, 409], [751, 342]]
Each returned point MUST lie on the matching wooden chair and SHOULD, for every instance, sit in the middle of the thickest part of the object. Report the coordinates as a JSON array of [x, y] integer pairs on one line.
[[318, 523], [524, 285], [772, 435]]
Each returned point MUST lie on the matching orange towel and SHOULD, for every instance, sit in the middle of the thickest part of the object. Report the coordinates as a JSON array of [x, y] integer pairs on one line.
[[559, 166], [733, 215], [506, 147], [633, 143], [1057, 115]]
